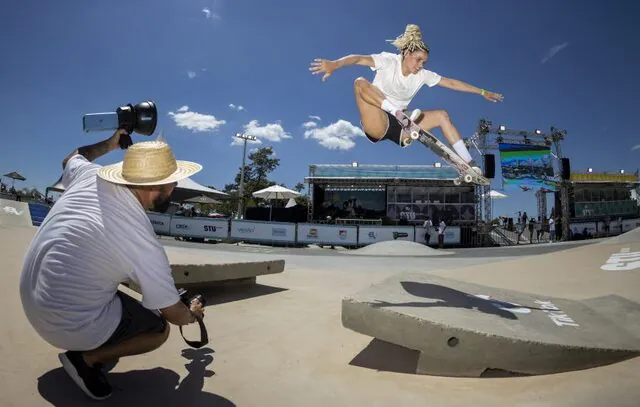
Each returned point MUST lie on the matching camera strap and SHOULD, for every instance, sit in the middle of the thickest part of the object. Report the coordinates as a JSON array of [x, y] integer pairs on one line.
[[204, 336]]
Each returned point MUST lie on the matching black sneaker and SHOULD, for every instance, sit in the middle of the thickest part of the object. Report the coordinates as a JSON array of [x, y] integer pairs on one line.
[[107, 367], [90, 379]]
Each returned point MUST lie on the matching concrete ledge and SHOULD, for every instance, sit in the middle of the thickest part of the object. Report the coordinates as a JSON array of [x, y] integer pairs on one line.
[[215, 275], [468, 330]]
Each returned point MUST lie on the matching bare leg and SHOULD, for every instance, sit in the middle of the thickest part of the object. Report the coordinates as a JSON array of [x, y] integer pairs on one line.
[[439, 118], [137, 345], [369, 99]]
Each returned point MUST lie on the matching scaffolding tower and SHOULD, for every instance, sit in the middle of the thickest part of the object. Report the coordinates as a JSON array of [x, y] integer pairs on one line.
[[501, 134]]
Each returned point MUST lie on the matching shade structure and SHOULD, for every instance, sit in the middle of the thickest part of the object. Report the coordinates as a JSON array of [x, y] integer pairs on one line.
[[275, 192]]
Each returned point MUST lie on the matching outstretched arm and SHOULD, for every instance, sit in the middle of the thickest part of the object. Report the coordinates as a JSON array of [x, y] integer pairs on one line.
[[94, 151], [460, 86], [328, 66]]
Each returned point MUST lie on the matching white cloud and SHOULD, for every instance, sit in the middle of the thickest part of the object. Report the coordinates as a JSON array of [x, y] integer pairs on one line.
[[317, 118], [196, 122], [273, 132], [336, 136], [191, 74], [309, 125], [209, 15], [236, 108], [637, 146], [553, 51]]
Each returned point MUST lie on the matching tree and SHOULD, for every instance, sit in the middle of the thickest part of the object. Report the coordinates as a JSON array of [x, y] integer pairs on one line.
[[256, 177]]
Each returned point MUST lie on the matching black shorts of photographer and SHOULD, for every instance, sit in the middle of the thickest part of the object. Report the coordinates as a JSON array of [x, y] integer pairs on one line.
[[96, 236]]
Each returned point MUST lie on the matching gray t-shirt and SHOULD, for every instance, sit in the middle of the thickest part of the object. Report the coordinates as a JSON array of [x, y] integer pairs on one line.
[[96, 236]]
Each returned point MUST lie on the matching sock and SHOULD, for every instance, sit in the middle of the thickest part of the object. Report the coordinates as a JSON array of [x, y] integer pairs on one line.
[[462, 151], [388, 107]]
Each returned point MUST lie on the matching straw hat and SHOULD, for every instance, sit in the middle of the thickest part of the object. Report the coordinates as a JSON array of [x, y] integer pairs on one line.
[[148, 163]]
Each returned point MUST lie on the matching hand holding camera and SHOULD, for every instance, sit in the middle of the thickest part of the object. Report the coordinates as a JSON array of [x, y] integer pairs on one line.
[[197, 307], [121, 139]]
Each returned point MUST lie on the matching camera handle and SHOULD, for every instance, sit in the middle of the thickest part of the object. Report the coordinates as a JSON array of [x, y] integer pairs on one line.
[[204, 336]]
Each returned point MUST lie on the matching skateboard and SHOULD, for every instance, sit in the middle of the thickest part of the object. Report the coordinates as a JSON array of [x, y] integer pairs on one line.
[[467, 174]]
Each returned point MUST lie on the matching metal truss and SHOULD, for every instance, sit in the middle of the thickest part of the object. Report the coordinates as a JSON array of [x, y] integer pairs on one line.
[[480, 140]]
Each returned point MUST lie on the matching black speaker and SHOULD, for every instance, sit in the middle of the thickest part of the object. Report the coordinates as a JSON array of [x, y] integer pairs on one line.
[[489, 165], [566, 169]]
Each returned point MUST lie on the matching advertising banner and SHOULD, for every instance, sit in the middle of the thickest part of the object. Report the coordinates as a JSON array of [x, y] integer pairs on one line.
[[374, 234], [327, 234], [200, 227], [257, 231], [161, 223]]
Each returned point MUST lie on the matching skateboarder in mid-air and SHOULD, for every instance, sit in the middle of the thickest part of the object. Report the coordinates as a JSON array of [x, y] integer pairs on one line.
[[397, 80]]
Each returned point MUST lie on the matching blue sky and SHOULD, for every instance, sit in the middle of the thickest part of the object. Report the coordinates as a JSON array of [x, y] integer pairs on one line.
[[196, 58]]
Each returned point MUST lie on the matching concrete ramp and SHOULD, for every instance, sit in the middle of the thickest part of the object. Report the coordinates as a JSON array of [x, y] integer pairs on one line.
[[466, 329], [14, 213]]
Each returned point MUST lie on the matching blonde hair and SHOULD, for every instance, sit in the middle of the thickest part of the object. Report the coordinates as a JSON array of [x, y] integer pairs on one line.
[[410, 40]]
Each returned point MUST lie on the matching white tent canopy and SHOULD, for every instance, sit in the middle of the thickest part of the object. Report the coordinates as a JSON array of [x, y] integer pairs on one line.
[[191, 185]]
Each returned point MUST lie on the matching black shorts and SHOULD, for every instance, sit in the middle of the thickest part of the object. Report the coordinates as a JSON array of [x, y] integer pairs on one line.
[[135, 320], [393, 130]]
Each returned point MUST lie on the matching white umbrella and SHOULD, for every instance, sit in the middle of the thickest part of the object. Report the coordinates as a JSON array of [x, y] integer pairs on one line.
[[275, 192]]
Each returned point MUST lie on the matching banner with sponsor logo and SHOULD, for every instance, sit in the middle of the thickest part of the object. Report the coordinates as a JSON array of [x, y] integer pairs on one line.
[[327, 234], [161, 223], [200, 227], [263, 231], [373, 234]]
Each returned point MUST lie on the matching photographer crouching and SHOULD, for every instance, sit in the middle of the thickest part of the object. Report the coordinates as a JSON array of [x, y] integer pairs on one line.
[[95, 237]]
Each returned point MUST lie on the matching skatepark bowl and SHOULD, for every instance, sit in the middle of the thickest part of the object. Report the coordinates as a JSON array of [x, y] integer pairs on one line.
[[545, 325]]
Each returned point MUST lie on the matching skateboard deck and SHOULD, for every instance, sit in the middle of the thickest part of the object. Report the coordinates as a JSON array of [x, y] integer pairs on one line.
[[467, 174]]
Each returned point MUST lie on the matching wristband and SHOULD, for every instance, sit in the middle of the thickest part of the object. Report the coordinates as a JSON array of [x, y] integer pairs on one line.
[[483, 92]]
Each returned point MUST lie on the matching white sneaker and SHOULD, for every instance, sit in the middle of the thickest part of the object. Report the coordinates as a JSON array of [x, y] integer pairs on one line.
[[415, 114]]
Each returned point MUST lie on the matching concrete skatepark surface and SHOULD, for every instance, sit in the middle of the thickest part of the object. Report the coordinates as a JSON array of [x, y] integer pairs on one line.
[[14, 213], [464, 329], [281, 343], [398, 248]]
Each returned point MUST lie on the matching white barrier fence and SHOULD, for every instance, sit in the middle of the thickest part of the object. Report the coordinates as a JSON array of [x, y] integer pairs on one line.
[[321, 234], [292, 233]]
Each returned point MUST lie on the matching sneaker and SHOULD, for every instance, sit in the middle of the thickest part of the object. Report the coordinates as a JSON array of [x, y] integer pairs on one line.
[[90, 379], [106, 367]]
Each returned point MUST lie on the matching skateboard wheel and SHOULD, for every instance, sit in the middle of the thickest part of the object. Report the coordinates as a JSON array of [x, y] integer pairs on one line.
[[415, 135], [457, 182], [468, 178]]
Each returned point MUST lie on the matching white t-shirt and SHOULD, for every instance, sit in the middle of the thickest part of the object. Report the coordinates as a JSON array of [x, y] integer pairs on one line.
[[96, 236], [442, 227], [399, 89]]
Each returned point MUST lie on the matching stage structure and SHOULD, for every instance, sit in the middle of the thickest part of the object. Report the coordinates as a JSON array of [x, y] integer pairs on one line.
[[525, 159], [390, 194]]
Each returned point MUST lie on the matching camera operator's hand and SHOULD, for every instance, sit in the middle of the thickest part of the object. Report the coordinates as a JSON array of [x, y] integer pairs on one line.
[[197, 308], [121, 139]]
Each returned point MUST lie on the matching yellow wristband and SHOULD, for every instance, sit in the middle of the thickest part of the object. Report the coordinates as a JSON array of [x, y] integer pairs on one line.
[[482, 92]]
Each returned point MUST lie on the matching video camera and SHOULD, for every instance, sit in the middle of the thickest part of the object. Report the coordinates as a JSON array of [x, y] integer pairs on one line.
[[204, 336], [141, 118]]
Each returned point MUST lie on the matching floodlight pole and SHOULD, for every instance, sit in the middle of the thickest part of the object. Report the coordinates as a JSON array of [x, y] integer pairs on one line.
[[244, 137]]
